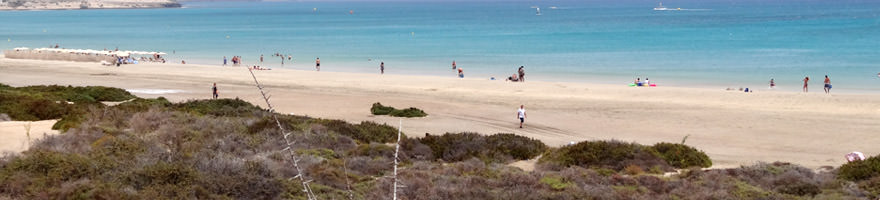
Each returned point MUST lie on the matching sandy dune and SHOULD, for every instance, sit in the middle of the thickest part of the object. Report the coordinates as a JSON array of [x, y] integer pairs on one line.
[[734, 128], [15, 134]]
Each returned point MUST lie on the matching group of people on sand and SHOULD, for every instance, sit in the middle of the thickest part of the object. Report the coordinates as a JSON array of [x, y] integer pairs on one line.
[[806, 80], [522, 75], [236, 60], [639, 82]]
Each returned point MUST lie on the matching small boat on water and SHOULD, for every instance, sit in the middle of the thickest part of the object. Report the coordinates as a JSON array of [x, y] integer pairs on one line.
[[660, 7], [538, 12]]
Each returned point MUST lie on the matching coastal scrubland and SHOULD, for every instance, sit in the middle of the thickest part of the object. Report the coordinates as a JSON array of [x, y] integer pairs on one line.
[[231, 149]]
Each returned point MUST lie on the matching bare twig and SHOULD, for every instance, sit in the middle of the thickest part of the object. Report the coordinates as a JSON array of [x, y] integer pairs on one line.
[[396, 162], [288, 141]]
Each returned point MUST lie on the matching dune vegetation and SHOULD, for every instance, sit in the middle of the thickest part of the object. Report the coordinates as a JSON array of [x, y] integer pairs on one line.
[[379, 109], [231, 149]]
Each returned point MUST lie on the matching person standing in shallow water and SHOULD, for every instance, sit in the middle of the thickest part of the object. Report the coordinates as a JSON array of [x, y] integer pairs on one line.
[[521, 114], [772, 84], [827, 85], [382, 67], [318, 64], [806, 79], [215, 91], [453, 65]]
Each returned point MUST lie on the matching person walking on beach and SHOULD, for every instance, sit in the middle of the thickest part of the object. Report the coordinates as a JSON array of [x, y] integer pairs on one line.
[[806, 79], [453, 65], [261, 59], [522, 74], [215, 90], [827, 84], [224, 60], [772, 84], [521, 114], [318, 64], [382, 67], [460, 73]]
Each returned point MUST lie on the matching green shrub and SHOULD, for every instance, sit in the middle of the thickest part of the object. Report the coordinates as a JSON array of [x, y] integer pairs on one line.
[[605, 154], [860, 170], [556, 183], [682, 156], [164, 173], [373, 150], [50, 102], [51, 166], [140, 104], [871, 186], [499, 147], [219, 107], [365, 132], [379, 109], [408, 113]]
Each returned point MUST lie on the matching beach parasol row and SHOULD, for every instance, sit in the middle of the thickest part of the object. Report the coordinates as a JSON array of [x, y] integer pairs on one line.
[[90, 51]]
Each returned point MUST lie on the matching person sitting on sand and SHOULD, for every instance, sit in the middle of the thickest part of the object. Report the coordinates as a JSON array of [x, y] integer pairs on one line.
[[513, 78], [647, 82], [639, 81]]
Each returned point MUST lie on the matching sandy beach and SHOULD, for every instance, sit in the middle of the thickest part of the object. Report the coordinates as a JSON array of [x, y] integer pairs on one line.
[[15, 134], [733, 128]]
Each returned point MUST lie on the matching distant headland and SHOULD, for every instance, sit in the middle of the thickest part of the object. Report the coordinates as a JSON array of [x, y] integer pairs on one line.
[[85, 4]]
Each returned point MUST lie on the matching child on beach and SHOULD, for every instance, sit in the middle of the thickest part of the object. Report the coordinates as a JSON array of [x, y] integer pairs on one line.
[[521, 114], [224, 60], [318, 64]]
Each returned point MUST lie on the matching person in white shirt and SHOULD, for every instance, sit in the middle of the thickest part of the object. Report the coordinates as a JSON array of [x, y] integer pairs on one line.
[[521, 114]]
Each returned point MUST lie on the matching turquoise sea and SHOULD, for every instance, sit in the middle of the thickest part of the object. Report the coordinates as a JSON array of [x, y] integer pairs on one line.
[[709, 43]]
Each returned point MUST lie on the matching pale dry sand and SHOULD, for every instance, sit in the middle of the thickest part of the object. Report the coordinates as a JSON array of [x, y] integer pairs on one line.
[[734, 128], [15, 134]]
